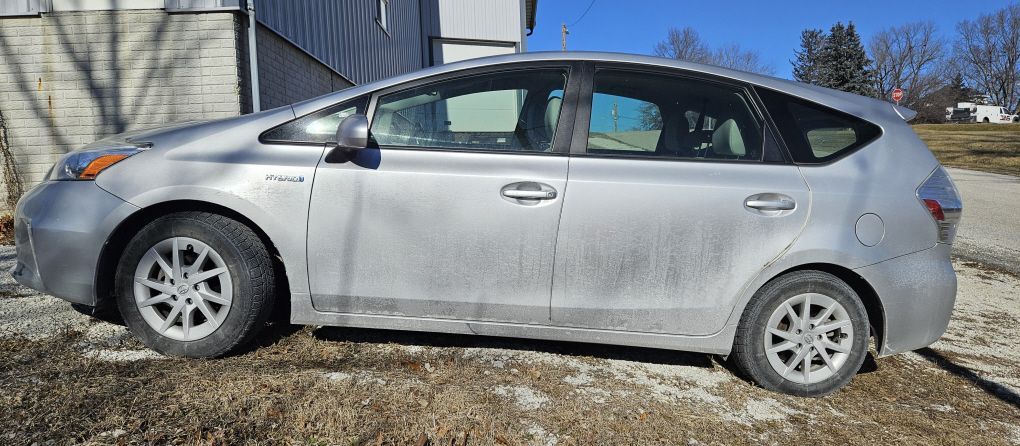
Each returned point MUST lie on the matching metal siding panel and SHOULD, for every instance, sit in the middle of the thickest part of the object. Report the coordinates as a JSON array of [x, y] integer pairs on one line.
[[203, 5], [497, 20], [346, 36], [20, 7]]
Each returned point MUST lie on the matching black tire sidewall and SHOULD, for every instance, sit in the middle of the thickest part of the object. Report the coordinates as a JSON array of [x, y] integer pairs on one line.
[[750, 343], [239, 320]]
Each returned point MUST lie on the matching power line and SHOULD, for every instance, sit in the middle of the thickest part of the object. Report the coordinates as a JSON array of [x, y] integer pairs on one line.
[[583, 13]]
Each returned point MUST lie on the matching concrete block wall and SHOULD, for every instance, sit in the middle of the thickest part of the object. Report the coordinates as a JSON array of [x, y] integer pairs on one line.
[[70, 78], [288, 75]]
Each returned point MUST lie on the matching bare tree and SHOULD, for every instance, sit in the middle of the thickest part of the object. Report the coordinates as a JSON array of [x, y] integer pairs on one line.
[[911, 57], [732, 56], [988, 49], [686, 44]]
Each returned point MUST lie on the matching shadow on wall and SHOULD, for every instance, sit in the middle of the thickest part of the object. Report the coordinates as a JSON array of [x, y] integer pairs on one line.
[[99, 69]]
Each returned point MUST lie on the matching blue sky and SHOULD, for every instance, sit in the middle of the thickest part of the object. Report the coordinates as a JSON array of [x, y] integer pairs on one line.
[[772, 27]]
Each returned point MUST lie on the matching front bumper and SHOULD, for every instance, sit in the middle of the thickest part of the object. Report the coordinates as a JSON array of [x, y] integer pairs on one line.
[[918, 292], [60, 228]]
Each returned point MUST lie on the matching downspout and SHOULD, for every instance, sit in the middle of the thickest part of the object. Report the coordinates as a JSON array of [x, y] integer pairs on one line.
[[253, 58]]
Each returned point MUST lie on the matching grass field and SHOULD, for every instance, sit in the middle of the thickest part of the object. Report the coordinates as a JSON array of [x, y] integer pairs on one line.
[[986, 147]]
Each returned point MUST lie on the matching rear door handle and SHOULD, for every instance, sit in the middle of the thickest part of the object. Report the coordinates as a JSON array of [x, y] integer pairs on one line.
[[770, 202], [529, 194]]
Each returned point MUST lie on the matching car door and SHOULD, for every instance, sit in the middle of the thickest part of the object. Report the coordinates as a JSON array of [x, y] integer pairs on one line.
[[676, 199], [455, 214]]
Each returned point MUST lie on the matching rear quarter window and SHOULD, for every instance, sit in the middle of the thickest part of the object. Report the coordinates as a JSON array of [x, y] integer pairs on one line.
[[814, 133]]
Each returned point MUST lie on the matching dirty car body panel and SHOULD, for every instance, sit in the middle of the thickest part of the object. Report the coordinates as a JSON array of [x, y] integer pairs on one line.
[[616, 249]]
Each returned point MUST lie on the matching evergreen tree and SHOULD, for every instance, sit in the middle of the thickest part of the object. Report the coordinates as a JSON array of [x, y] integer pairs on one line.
[[844, 63], [807, 67], [959, 90]]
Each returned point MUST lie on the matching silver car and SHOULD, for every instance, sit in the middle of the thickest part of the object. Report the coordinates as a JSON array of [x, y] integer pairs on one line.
[[585, 197]]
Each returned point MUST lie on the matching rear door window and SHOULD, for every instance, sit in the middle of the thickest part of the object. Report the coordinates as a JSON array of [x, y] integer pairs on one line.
[[815, 133], [647, 114]]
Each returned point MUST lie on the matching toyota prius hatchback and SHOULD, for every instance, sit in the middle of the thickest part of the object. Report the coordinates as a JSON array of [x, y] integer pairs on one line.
[[581, 197]]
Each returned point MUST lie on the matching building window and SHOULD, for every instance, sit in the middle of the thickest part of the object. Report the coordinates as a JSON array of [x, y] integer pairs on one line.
[[382, 15]]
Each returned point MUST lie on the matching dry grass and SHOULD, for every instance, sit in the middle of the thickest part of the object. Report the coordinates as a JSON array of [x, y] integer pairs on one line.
[[401, 388], [986, 147]]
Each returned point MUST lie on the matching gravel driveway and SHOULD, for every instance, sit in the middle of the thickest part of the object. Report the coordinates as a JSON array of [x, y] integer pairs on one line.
[[67, 378]]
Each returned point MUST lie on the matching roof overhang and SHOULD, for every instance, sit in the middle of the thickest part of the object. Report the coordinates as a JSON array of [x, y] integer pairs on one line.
[[530, 8]]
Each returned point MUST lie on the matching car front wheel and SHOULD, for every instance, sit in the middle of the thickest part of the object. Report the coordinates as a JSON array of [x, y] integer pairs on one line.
[[195, 284], [804, 333]]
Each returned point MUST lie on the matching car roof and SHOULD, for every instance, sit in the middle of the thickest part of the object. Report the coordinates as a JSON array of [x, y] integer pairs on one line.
[[854, 104]]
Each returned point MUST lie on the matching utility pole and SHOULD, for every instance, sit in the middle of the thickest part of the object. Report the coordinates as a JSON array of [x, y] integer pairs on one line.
[[563, 36], [616, 116]]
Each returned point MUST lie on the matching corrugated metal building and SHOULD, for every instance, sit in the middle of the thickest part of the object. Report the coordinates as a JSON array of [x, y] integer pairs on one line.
[[73, 71]]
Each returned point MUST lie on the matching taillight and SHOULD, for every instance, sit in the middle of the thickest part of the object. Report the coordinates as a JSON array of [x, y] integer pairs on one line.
[[940, 197], [935, 208]]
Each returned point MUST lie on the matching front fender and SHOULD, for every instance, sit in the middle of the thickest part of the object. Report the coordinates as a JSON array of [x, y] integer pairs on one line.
[[284, 229]]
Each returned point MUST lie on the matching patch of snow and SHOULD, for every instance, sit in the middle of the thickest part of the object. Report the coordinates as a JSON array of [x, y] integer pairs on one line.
[[525, 397], [540, 437], [766, 409], [362, 377], [580, 379], [116, 433], [338, 376], [122, 355]]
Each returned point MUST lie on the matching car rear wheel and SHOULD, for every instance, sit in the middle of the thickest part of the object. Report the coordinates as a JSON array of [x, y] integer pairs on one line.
[[195, 284], [804, 333]]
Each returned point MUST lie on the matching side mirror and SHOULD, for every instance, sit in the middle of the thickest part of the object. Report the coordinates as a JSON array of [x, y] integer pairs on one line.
[[352, 134]]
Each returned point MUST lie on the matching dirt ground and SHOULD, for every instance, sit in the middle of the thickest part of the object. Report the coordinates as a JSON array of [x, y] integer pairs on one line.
[[68, 379]]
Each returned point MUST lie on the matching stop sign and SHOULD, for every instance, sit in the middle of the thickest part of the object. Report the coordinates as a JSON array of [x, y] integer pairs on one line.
[[897, 94]]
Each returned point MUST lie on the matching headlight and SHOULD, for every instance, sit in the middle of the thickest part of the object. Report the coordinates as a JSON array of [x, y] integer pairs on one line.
[[88, 162]]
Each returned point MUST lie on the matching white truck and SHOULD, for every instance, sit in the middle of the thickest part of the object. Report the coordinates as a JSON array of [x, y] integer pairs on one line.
[[971, 112]]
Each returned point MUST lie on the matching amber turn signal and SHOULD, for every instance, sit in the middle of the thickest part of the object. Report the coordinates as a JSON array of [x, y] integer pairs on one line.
[[100, 164]]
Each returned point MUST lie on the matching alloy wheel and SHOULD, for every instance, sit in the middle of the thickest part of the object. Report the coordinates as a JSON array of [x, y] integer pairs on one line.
[[808, 338], [183, 289]]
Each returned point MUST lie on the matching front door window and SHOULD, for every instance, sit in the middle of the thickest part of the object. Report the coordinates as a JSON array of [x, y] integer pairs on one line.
[[506, 111]]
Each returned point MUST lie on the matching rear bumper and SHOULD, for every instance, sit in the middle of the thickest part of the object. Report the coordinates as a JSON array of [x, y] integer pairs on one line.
[[918, 292], [60, 228]]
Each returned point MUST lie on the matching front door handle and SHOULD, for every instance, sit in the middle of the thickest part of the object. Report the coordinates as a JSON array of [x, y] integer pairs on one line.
[[529, 194], [770, 202]]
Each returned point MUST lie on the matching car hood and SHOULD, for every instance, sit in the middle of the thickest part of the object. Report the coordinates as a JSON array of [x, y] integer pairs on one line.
[[183, 133]]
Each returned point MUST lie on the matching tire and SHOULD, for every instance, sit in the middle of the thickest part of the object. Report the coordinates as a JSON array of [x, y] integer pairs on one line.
[[767, 314], [230, 296], [986, 121]]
